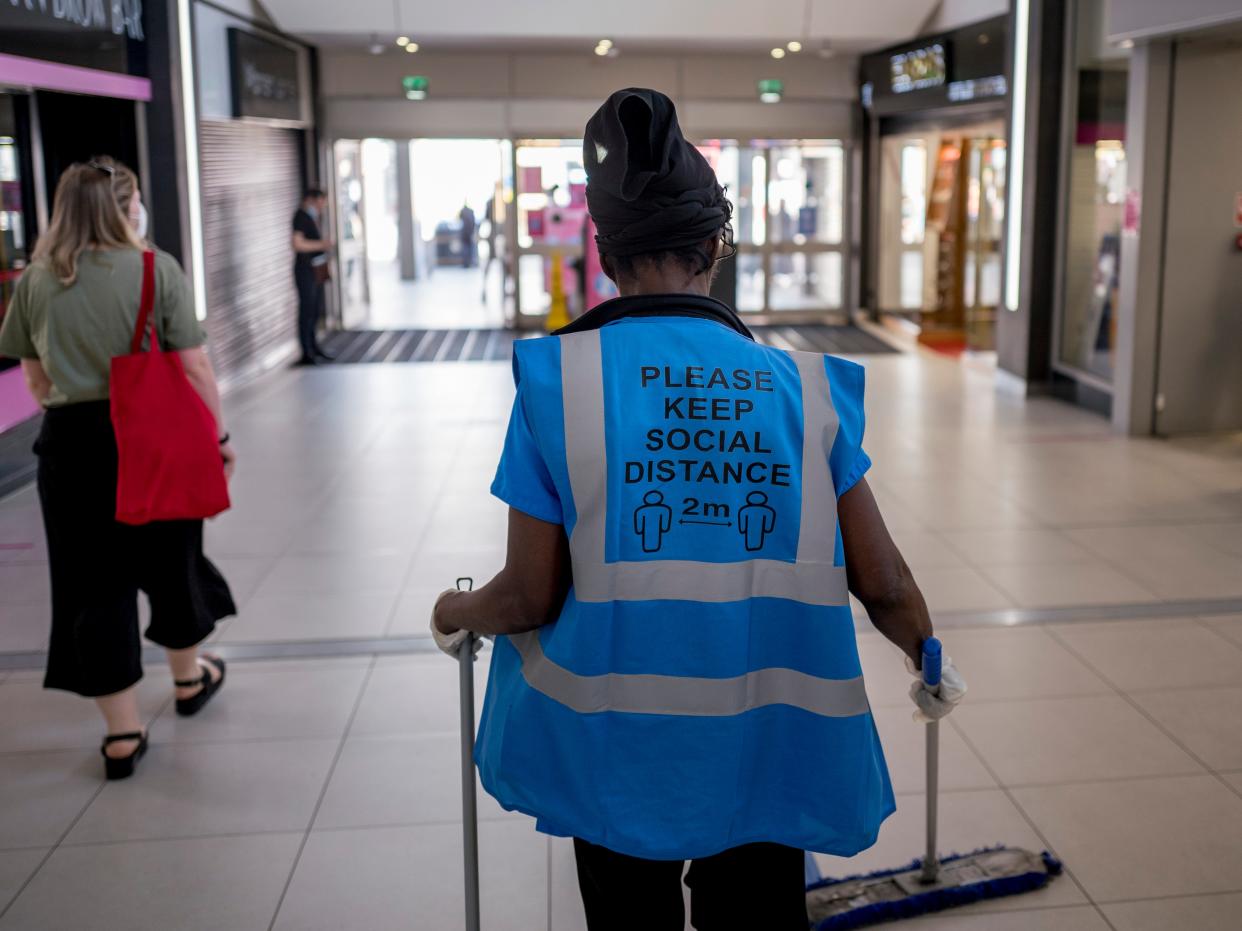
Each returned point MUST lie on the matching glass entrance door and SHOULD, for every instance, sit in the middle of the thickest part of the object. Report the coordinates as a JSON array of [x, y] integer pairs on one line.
[[548, 227], [788, 223], [942, 210]]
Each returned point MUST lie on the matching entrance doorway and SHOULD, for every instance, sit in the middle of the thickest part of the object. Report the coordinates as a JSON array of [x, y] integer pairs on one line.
[[942, 212], [420, 227]]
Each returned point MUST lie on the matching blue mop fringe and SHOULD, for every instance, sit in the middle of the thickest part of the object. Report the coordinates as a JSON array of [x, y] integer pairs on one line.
[[936, 900]]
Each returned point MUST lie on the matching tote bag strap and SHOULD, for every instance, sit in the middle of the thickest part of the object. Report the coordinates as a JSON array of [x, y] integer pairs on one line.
[[148, 303]]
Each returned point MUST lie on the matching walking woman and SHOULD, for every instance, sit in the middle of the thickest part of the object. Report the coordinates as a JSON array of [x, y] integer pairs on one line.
[[75, 308]]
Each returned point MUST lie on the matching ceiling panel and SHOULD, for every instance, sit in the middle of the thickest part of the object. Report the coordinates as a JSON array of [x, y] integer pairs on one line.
[[862, 20], [692, 23]]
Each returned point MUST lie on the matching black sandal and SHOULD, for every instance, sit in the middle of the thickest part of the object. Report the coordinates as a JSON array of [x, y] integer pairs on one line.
[[193, 704], [122, 767]]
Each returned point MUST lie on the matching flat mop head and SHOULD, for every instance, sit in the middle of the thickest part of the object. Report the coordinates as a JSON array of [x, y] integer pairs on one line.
[[858, 901]]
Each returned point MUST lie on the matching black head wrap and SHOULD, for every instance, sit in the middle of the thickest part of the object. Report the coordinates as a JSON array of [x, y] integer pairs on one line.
[[648, 189]]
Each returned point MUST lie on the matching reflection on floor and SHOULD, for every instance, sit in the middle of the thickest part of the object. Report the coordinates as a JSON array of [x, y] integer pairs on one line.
[[322, 794], [447, 298]]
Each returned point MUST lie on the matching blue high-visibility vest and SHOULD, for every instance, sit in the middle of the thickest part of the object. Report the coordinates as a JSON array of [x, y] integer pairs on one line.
[[701, 688]]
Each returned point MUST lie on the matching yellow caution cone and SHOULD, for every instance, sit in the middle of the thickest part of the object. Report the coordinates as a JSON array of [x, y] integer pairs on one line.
[[558, 313]]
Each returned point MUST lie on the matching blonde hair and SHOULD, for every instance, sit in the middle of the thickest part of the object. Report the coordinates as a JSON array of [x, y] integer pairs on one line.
[[91, 210]]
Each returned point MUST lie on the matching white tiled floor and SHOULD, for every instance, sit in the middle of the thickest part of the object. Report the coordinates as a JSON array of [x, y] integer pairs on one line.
[[324, 793]]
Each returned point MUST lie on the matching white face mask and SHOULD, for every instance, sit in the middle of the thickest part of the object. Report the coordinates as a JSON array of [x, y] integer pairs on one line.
[[313, 212], [139, 220]]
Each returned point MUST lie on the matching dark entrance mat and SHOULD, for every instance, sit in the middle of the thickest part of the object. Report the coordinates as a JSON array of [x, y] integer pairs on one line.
[[371, 346]]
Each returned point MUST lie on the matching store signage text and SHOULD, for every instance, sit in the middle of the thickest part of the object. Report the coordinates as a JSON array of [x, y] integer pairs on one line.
[[269, 86], [123, 17]]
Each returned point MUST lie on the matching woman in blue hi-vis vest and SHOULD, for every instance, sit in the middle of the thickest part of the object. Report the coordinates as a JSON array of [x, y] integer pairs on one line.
[[675, 674]]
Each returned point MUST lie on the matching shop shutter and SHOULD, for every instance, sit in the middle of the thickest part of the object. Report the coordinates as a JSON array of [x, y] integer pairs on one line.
[[250, 189]]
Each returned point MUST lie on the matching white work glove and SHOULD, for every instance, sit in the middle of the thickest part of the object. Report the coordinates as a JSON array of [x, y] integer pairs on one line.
[[934, 704], [451, 643]]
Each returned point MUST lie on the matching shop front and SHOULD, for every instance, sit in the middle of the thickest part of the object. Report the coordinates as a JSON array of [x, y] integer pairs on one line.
[[257, 151], [1154, 315], [935, 129], [75, 81], [1091, 209]]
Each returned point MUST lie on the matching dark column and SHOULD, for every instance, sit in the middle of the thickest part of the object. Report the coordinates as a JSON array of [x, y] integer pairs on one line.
[[167, 192], [1024, 328]]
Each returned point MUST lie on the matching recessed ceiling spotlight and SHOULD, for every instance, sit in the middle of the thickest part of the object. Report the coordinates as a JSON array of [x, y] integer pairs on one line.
[[794, 46], [1126, 43], [403, 41], [605, 44], [411, 47], [601, 51], [778, 53]]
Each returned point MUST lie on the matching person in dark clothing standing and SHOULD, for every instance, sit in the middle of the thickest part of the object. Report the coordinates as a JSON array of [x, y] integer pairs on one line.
[[310, 271], [469, 247]]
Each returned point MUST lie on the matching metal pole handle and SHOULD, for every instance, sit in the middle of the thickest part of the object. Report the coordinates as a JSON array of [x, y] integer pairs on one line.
[[931, 679], [469, 802]]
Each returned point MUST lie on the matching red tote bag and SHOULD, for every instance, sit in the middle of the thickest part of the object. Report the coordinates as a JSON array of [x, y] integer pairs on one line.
[[170, 466]]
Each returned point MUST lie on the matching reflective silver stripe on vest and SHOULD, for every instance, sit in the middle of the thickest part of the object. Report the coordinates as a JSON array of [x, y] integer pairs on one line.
[[686, 695], [811, 580]]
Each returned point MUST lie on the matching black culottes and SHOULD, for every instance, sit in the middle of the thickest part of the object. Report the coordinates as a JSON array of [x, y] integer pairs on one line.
[[98, 565]]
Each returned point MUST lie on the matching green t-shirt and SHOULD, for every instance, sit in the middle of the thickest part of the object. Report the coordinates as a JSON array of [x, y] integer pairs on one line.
[[75, 331]]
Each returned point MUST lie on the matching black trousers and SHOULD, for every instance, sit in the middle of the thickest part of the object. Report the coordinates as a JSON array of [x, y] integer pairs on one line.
[[310, 309], [756, 887], [98, 565]]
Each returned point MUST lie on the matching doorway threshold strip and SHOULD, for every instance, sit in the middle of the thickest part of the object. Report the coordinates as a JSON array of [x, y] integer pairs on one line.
[[352, 347], [419, 644]]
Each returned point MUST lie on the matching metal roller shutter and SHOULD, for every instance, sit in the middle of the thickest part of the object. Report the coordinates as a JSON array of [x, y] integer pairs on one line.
[[251, 185]]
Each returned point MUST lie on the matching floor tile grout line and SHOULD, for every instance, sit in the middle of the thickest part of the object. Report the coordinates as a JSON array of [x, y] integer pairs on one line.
[[1216, 893], [412, 562], [1023, 812], [981, 620], [1048, 527], [426, 530], [225, 742], [122, 841], [1151, 718], [74, 823], [320, 501], [1202, 622], [323, 791], [51, 851]]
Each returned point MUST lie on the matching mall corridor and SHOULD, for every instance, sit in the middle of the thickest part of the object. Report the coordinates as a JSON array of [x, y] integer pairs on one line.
[[1088, 585], [570, 331]]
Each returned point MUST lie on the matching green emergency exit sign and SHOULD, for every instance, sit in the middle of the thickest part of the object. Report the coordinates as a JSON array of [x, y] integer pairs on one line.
[[415, 86], [771, 90]]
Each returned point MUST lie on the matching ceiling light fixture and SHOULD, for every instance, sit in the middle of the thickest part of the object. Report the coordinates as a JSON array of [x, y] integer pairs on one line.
[[601, 50], [778, 53], [403, 41], [794, 46], [605, 44], [411, 47]]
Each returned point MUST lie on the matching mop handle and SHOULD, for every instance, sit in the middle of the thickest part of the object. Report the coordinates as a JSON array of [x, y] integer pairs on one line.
[[931, 679], [469, 811], [932, 661]]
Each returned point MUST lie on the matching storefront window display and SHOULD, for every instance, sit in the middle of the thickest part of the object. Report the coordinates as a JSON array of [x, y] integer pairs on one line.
[[1095, 207], [13, 246]]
